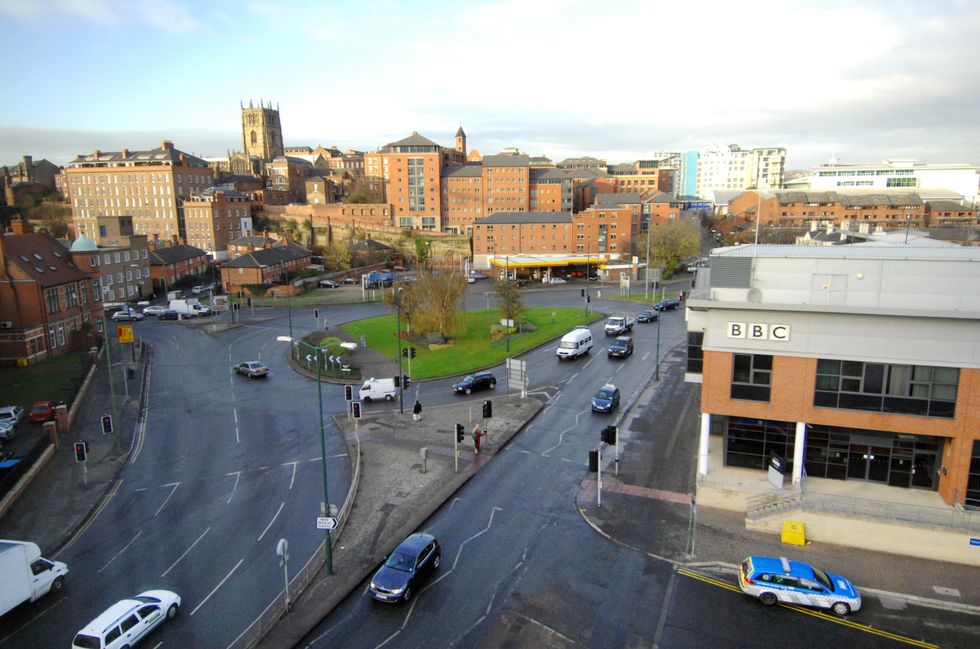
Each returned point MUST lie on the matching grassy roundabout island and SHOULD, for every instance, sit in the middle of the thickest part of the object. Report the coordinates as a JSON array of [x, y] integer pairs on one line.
[[479, 342]]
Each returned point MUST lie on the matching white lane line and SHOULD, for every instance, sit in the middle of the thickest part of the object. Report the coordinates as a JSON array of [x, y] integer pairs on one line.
[[571, 378], [184, 555], [278, 511], [175, 485], [220, 584], [590, 362], [645, 356], [238, 439], [91, 519], [138, 534], [459, 551], [238, 475], [292, 479], [30, 622], [235, 412]]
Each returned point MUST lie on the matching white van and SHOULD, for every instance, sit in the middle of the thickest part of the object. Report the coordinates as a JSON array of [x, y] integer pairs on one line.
[[189, 308], [377, 389], [126, 622], [575, 343]]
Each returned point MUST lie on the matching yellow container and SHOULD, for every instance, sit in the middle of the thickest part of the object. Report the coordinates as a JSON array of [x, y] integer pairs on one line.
[[793, 533]]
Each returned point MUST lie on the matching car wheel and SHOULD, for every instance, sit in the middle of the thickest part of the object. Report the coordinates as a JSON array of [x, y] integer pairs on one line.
[[768, 598], [368, 399], [492, 385], [841, 608], [388, 397], [57, 584], [469, 391]]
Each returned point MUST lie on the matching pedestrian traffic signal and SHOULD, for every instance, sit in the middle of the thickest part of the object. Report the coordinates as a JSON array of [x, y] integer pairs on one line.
[[609, 434], [349, 392], [413, 352], [459, 433], [405, 381], [405, 353], [81, 451], [356, 409], [487, 409], [106, 424]]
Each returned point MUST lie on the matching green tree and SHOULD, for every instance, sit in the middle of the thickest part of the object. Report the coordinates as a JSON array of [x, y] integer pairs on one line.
[[336, 256], [357, 198], [511, 307], [422, 249], [669, 244], [428, 305]]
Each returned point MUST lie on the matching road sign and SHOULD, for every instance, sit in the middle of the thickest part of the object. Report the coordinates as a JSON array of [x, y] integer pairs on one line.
[[326, 523], [124, 333]]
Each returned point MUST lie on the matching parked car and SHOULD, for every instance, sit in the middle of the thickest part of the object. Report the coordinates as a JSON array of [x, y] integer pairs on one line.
[[252, 369], [647, 315], [794, 582], [328, 283], [168, 314], [667, 304], [349, 280], [128, 621], [557, 280], [620, 347], [399, 269], [606, 399], [405, 568], [203, 288], [12, 414], [474, 382], [41, 411], [127, 315], [7, 431], [154, 310], [477, 276], [522, 281]]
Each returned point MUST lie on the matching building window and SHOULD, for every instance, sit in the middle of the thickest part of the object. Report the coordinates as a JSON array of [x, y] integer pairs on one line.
[[973, 479], [751, 442], [695, 353], [902, 389], [71, 295], [51, 299], [751, 377]]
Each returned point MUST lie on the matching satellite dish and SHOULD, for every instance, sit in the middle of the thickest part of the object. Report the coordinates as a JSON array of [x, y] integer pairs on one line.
[[755, 295]]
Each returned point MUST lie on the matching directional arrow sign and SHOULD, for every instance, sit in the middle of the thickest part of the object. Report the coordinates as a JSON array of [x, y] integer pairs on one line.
[[326, 522]]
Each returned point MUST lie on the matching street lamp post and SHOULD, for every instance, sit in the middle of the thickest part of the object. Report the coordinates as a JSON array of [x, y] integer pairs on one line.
[[112, 392], [646, 290], [398, 335], [323, 456]]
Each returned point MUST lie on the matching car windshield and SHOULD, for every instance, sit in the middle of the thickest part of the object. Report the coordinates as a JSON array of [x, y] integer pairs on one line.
[[39, 409], [604, 394], [822, 577], [86, 642], [146, 599], [401, 561], [620, 343], [566, 344], [468, 379]]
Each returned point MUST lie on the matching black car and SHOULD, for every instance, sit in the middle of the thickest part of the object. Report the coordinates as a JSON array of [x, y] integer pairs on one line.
[[481, 381], [667, 304], [648, 315], [168, 314], [405, 568], [620, 347]]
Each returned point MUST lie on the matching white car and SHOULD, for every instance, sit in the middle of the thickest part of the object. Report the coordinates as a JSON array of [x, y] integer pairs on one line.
[[6, 430], [128, 621], [154, 310], [557, 280], [12, 415], [127, 315]]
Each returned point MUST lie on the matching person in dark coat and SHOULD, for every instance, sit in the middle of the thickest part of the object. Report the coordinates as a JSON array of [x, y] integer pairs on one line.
[[417, 411]]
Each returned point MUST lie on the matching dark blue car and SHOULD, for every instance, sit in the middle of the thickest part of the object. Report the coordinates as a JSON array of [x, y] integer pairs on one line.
[[405, 568], [667, 304]]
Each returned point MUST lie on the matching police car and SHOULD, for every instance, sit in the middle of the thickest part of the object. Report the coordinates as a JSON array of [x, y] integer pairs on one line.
[[795, 582]]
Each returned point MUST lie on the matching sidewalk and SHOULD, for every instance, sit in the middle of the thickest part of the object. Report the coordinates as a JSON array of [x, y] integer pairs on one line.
[[394, 496], [64, 493]]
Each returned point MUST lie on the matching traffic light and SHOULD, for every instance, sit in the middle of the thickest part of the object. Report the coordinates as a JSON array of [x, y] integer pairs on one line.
[[583, 292], [609, 434], [594, 460], [459, 433], [81, 451], [405, 381], [106, 424], [413, 352], [356, 409], [487, 409], [398, 381], [250, 301], [349, 392], [405, 352], [316, 313]]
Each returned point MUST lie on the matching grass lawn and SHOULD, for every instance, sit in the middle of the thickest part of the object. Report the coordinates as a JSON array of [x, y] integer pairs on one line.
[[53, 380], [473, 348]]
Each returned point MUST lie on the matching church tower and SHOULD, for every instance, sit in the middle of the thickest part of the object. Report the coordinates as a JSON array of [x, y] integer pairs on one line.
[[261, 131], [461, 141]]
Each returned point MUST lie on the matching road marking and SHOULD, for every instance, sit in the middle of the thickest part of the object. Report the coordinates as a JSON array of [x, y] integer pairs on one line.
[[235, 413], [814, 613], [561, 435], [121, 551], [175, 485], [238, 475], [459, 551], [184, 555], [589, 363], [292, 479], [31, 621], [98, 510], [278, 511], [238, 439], [220, 584], [645, 356]]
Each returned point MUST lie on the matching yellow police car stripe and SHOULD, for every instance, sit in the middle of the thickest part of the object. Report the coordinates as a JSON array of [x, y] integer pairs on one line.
[[815, 613]]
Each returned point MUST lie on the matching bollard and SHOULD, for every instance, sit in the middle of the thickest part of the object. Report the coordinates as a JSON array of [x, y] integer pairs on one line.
[[424, 452]]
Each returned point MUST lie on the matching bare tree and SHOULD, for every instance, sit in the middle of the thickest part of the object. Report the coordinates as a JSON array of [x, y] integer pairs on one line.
[[428, 305], [511, 307]]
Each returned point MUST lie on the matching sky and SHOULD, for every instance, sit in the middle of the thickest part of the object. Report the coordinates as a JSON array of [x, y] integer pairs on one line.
[[856, 81]]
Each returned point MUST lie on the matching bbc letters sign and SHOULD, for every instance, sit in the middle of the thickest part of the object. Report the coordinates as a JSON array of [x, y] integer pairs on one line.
[[759, 331]]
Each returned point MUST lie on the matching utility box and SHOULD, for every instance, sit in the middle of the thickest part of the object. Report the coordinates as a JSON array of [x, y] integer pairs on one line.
[[793, 533]]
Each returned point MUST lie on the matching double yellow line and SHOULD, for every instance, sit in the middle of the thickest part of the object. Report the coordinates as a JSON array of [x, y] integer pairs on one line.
[[816, 613]]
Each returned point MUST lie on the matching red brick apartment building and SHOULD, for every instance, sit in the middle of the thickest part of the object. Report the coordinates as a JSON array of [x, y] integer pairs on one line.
[[215, 216], [45, 298]]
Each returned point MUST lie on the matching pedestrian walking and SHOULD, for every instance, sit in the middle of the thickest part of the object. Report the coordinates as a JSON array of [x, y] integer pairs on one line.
[[477, 432], [417, 411]]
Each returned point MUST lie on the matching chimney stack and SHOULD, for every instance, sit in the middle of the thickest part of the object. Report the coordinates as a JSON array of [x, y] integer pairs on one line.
[[125, 153], [167, 145], [18, 225], [29, 168]]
